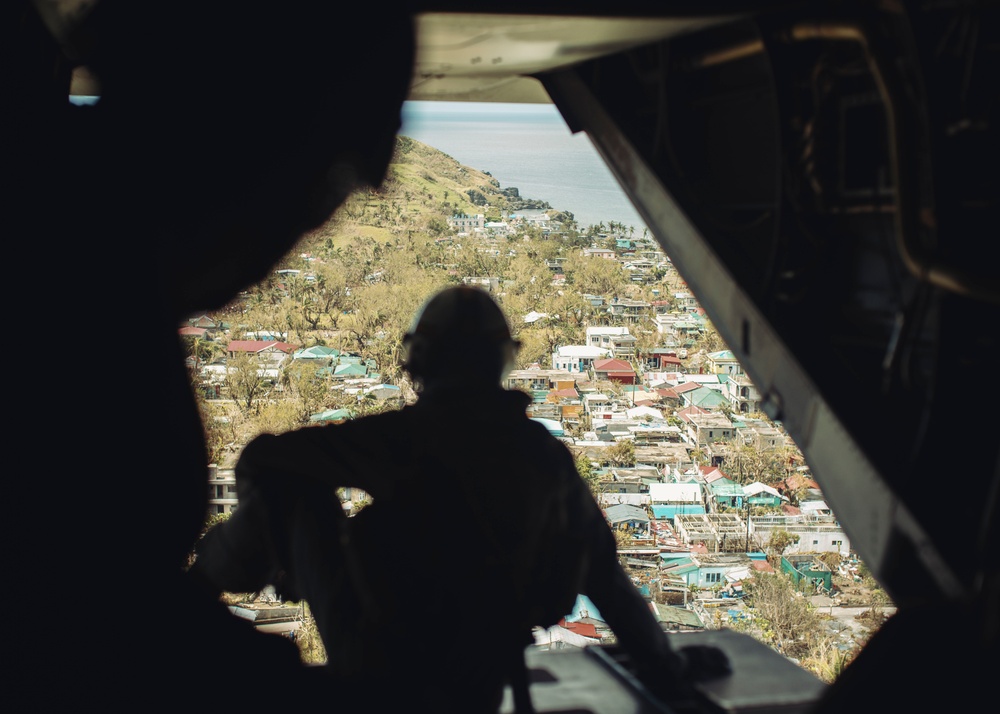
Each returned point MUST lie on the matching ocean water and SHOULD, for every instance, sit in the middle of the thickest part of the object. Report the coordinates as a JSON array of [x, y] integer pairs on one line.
[[526, 146]]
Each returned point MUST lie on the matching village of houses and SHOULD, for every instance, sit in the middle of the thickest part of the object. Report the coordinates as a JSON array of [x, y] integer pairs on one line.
[[696, 533]]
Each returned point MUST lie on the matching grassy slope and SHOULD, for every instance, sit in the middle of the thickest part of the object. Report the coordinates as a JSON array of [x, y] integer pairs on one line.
[[422, 185]]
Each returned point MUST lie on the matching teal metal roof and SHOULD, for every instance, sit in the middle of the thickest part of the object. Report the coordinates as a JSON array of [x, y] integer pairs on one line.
[[584, 607], [706, 397], [681, 568], [331, 415], [350, 369], [725, 487], [554, 427]]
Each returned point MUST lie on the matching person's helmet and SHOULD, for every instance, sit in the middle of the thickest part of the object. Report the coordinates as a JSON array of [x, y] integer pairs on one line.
[[459, 333]]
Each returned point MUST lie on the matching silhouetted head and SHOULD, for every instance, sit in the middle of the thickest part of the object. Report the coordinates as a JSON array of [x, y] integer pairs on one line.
[[234, 128], [460, 335]]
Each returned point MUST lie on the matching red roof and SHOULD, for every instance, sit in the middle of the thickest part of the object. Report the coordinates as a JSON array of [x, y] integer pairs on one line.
[[686, 413], [569, 393], [796, 481], [762, 566], [581, 628], [667, 393], [193, 331], [686, 387], [711, 473], [613, 365]]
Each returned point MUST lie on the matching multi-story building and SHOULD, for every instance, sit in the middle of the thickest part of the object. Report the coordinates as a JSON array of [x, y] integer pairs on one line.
[[723, 362], [816, 534], [577, 358], [742, 394], [617, 340], [630, 310], [221, 490], [464, 223]]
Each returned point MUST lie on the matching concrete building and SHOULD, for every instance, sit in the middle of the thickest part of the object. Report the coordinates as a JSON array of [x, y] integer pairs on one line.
[[221, 490], [463, 223], [817, 534], [703, 429], [578, 359], [617, 340]]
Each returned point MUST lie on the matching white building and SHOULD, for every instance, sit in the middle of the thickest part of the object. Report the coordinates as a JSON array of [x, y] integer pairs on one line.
[[742, 394], [687, 493], [817, 534], [577, 359], [685, 301], [617, 340], [464, 223], [602, 407], [605, 253], [221, 490], [497, 228]]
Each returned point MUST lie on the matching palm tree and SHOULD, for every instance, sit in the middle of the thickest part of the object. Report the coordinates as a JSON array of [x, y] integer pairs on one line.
[[204, 350]]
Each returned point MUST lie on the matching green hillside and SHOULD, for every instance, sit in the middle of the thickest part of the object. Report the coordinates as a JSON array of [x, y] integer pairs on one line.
[[423, 187]]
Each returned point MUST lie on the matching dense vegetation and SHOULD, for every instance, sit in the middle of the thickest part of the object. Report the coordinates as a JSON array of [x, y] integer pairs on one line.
[[355, 283]]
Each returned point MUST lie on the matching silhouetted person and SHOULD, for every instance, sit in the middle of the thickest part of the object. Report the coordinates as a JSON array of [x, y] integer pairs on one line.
[[480, 528], [224, 131]]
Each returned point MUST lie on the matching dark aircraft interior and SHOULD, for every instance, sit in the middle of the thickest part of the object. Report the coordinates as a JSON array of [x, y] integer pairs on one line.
[[822, 174]]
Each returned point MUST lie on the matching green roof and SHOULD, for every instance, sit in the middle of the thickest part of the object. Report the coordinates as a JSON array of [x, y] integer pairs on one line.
[[706, 397], [331, 415], [680, 569], [725, 487], [350, 369]]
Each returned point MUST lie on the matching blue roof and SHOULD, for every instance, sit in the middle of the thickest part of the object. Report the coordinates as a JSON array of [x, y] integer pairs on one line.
[[584, 607], [331, 415], [554, 427], [667, 512]]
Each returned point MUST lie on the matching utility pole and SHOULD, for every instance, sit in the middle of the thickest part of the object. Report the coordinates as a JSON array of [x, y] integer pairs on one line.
[[748, 524]]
